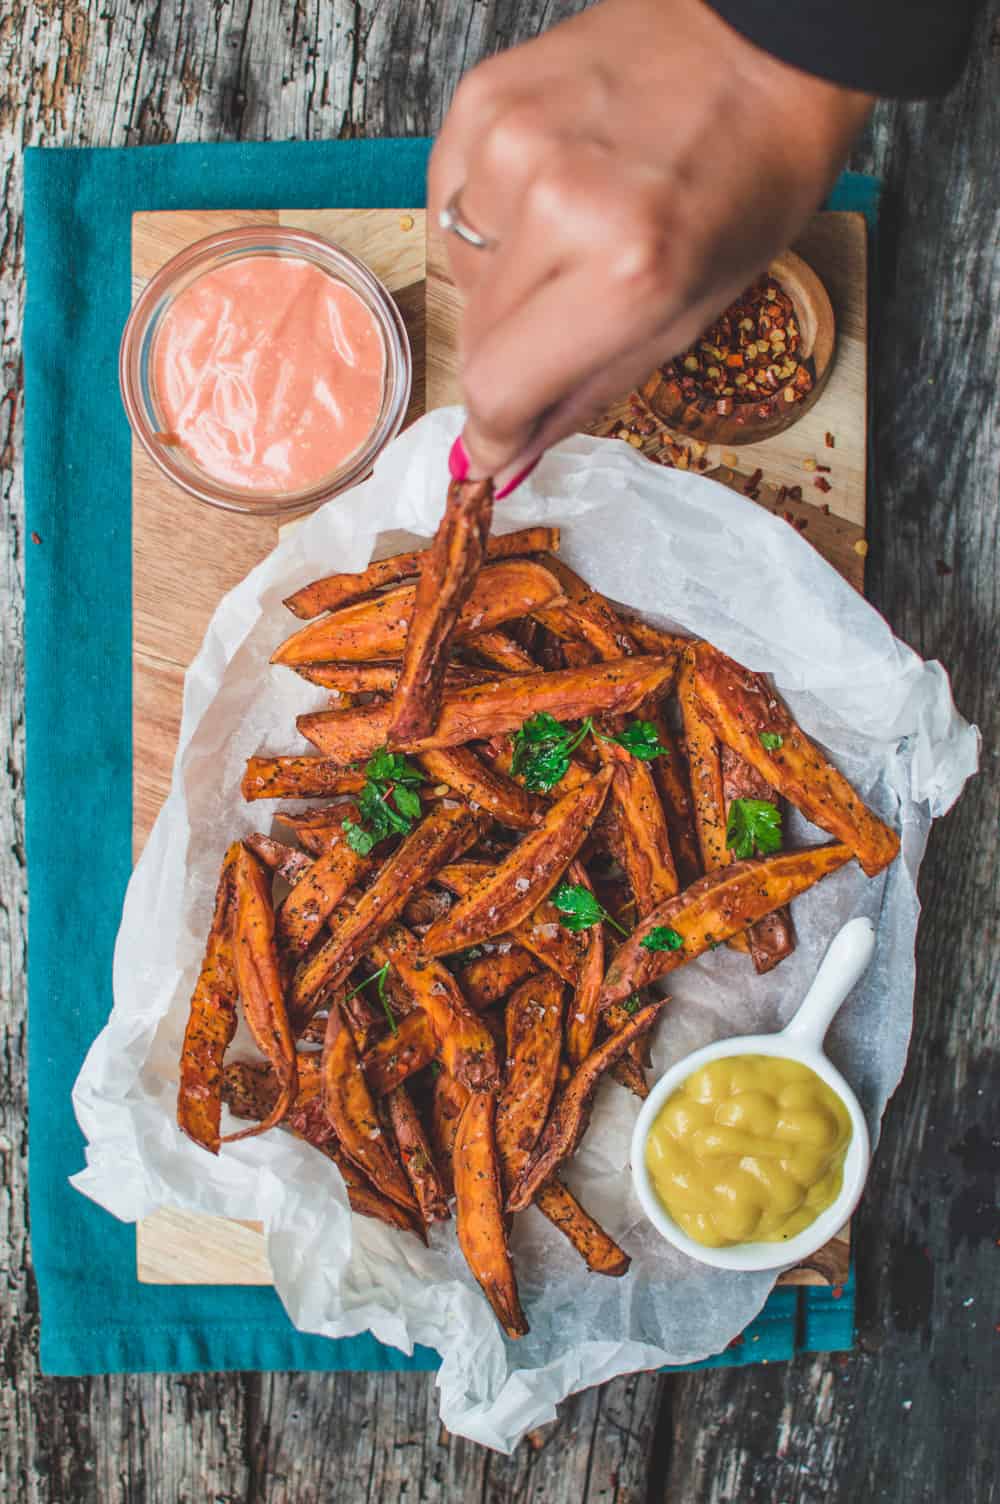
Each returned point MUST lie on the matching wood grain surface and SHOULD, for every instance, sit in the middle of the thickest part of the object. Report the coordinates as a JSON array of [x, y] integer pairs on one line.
[[186, 556], [909, 1415]]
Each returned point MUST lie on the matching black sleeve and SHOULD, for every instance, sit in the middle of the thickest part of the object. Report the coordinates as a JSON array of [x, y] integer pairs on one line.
[[902, 48]]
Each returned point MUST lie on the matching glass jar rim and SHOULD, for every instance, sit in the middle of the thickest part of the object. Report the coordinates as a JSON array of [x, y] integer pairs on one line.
[[227, 245]]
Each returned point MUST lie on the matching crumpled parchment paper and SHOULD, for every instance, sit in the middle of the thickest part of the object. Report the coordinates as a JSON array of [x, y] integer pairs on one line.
[[688, 553]]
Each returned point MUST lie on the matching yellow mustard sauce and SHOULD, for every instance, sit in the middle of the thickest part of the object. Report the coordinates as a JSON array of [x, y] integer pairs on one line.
[[748, 1149]]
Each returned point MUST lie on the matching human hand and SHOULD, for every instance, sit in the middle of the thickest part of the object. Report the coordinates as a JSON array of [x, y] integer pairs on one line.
[[636, 167]]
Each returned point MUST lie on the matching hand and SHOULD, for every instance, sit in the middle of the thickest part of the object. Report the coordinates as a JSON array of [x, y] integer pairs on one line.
[[637, 167]]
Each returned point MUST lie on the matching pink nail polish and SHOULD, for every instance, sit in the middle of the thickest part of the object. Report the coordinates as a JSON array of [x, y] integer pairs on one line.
[[458, 461], [516, 480]]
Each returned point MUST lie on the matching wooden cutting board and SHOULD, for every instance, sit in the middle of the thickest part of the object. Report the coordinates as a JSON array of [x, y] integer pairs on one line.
[[186, 556]]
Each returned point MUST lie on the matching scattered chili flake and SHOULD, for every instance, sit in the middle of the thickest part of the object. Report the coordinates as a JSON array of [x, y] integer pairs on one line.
[[939, 564], [825, 509], [782, 493], [788, 516], [35, 538], [837, 1291], [753, 482], [822, 484], [824, 469], [829, 441]]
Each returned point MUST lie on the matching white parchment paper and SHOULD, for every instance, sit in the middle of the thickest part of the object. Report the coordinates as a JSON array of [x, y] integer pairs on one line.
[[686, 552]]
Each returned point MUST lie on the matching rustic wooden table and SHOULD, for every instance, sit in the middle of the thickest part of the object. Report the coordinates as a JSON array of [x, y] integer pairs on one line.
[[906, 1415]]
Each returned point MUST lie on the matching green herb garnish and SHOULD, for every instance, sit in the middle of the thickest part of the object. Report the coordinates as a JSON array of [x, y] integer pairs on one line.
[[542, 750], [662, 937], [388, 804], [753, 825], [579, 909], [771, 740], [641, 739], [632, 1004], [378, 977]]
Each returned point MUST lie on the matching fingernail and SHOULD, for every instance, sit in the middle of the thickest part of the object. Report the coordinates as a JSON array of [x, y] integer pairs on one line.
[[458, 461], [516, 480]]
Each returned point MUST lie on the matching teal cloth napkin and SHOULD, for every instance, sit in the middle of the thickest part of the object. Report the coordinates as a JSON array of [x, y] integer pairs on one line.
[[95, 1316]]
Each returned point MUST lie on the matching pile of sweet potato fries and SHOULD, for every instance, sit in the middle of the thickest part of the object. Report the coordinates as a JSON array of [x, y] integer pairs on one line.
[[535, 807]]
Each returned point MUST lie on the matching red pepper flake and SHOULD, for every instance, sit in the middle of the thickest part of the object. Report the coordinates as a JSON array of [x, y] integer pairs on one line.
[[830, 441], [753, 482], [794, 493], [782, 493], [939, 564], [824, 469], [837, 1291], [825, 509], [737, 1341], [36, 539], [788, 516], [822, 484]]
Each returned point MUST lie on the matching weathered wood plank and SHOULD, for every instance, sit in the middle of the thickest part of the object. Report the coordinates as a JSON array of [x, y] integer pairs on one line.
[[75, 72]]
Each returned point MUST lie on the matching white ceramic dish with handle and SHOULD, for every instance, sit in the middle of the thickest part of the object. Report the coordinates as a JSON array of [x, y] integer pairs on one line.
[[842, 967]]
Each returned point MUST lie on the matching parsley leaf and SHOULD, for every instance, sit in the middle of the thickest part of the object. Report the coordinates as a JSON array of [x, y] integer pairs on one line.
[[542, 750], [662, 937], [771, 741], [389, 802], [632, 1004], [641, 739], [753, 825], [579, 909]]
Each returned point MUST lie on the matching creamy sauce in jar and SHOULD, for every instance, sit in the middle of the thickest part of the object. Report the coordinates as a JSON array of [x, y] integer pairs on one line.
[[750, 1148], [269, 373]]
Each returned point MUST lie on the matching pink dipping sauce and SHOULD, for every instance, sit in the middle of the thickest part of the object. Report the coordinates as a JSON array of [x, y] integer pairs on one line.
[[269, 372]]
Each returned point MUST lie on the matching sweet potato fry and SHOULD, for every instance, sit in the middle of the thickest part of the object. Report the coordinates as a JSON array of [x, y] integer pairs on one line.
[[376, 629], [340, 589], [534, 1044], [571, 1113], [642, 828], [524, 878], [772, 938], [486, 710], [440, 837], [418, 1161], [212, 1020], [258, 978], [286, 861], [249, 1092], [424, 907], [740, 706], [628, 1072], [501, 651], [349, 1105], [297, 778], [489, 978], [448, 573], [380, 678], [482, 1234], [475, 780], [705, 765], [317, 829], [393, 1058], [704, 755], [317, 893], [670, 775], [650, 639], [541, 933], [464, 1044], [447, 1105], [588, 616], [581, 1021], [716, 906], [599, 1252]]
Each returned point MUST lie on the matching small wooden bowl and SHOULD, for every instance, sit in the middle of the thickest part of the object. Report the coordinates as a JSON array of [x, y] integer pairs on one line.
[[744, 425]]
